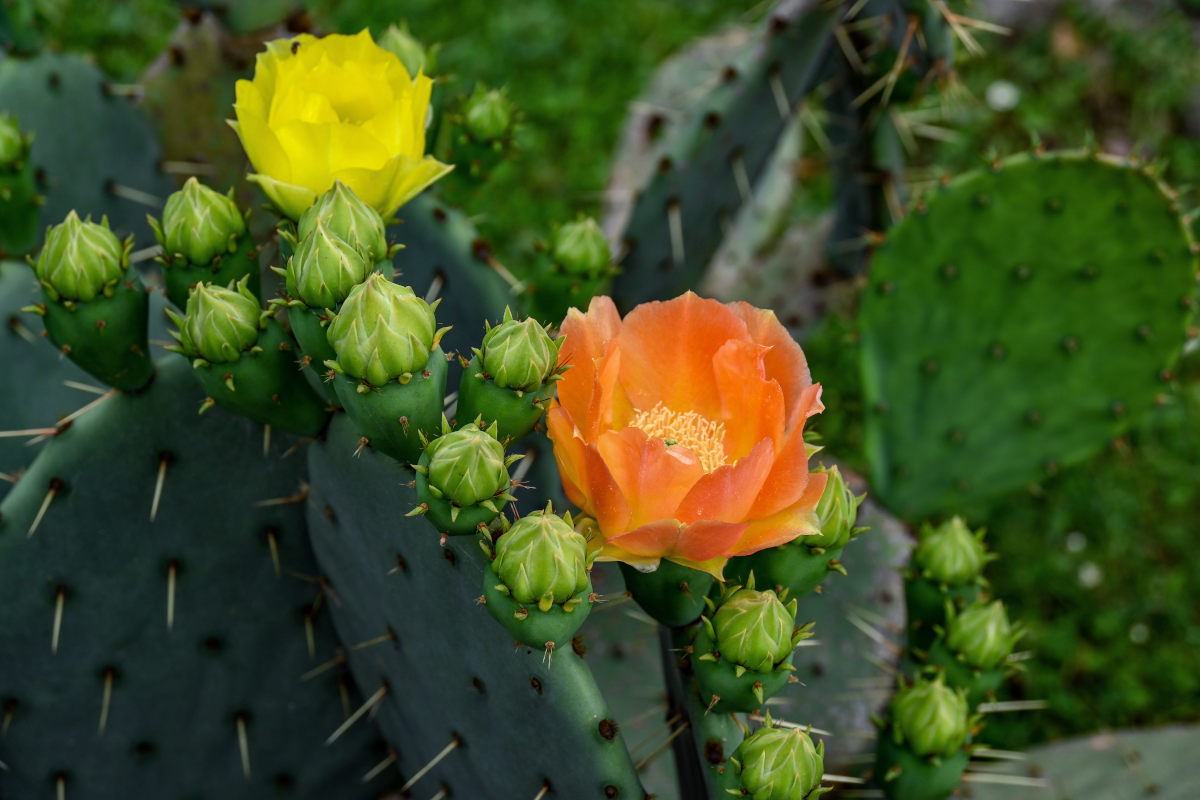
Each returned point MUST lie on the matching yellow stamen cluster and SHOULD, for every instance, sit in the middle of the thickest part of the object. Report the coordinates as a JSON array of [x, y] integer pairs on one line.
[[704, 437]]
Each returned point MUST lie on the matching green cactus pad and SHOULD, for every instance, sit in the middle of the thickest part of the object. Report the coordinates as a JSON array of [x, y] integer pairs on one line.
[[717, 150], [1003, 338], [470, 684], [235, 647], [94, 151]]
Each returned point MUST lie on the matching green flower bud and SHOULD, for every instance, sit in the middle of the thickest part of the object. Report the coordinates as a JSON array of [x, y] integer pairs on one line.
[[383, 332], [542, 559], [931, 718], [781, 764], [488, 114], [467, 465], [580, 247], [754, 629], [982, 635], [200, 224], [81, 259], [347, 218], [836, 513], [951, 553], [325, 268], [412, 54], [519, 355], [12, 143], [220, 323]]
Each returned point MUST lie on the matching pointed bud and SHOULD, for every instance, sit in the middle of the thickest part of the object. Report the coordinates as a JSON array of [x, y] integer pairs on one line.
[[836, 512], [220, 323], [488, 114], [349, 219], [983, 635], [753, 629], [542, 555], [81, 259], [12, 143], [930, 718], [382, 332], [780, 764], [325, 268], [951, 553], [413, 55], [519, 355], [581, 248], [467, 465], [200, 224]]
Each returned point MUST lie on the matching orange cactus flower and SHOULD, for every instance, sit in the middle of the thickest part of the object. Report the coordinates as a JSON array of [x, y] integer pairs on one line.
[[680, 430]]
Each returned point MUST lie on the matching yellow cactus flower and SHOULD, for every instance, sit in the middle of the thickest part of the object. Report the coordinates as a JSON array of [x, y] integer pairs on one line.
[[335, 108]]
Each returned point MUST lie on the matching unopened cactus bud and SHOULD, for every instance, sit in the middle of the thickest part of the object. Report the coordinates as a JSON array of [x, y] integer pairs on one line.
[[220, 323], [467, 465], [930, 718], [200, 224], [325, 268], [542, 559], [12, 143], [754, 629], [982, 635], [81, 259], [836, 513], [383, 332], [581, 248], [780, 764], [488, 114], [415, 57], [519, 355], [348, 218], [951, 554]]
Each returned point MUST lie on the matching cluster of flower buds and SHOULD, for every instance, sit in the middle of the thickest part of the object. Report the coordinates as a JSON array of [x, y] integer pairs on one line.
[[462, 478], [777, 763], [947, 566], [922, 750], [19, 201]]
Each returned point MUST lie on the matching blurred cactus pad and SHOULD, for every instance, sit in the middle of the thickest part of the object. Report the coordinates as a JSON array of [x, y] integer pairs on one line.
[[287, 464]]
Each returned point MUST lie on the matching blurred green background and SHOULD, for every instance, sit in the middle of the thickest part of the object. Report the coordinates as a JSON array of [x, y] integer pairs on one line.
[[1097, 561]]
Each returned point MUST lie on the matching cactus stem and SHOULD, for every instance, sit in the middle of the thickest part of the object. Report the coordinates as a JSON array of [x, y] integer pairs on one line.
[[243, 743], [106, 700], [172, 571], [433, 762], [340, 658], [378, 769], [56, 486], [164, 460], [371, 703], [60, 597]]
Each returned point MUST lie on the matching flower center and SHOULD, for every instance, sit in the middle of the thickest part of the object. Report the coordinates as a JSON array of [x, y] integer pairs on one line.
[[702, 436]]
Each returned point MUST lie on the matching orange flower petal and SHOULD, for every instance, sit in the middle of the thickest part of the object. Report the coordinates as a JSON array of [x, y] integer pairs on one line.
[[667, 351], [783, 527], [569, 455], [587, 342], [785, 362], [652, 477], [727, 493], [751, 403], [789, 476]]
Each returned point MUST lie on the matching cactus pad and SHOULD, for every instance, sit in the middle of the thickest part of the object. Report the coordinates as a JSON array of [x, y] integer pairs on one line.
[[139, 652], [1003, 338]]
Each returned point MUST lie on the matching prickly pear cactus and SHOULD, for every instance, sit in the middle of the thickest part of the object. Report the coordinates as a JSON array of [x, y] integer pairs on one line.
[[94, 152], [407, 608], [1003, 338], [156, 627]]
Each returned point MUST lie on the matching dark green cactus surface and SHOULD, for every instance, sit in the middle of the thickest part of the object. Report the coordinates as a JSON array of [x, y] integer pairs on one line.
[[710, 161], [94, 152], [136, 650], [407, 608], [1004, 337]]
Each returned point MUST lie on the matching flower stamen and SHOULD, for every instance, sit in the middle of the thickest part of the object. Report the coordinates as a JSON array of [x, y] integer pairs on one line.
[[704, 437]]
